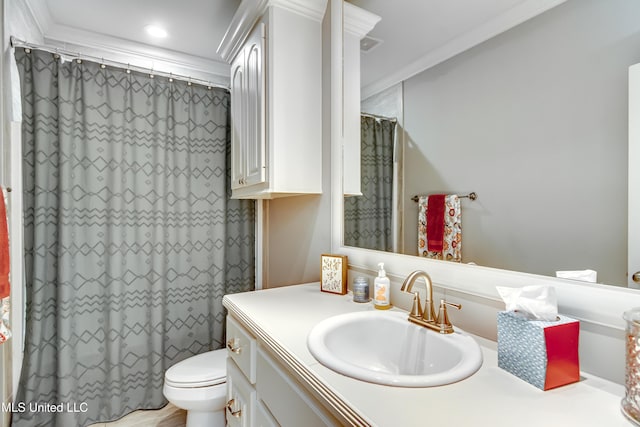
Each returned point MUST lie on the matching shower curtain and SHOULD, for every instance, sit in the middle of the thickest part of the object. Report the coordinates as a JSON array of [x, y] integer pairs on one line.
[[368, 218], [131, 239]]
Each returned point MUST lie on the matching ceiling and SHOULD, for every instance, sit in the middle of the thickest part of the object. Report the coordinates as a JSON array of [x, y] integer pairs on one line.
[[411, 30], [417, 34], [195, 27]]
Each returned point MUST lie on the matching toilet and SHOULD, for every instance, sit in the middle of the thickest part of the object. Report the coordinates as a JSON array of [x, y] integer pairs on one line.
[[199, 385]]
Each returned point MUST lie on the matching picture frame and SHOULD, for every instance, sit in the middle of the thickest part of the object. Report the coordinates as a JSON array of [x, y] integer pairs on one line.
[[333, 277]]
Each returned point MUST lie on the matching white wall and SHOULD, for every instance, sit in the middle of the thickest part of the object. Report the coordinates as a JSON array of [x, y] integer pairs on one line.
[[388, 103], [297, 236], [534, 121]]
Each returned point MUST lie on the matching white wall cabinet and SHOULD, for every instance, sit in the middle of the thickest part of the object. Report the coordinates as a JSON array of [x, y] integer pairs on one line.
[[248, 166], [275, 52]]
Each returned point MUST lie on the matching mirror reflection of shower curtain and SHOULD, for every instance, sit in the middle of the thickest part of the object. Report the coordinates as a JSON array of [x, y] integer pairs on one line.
[[131, 239], [369, 218]]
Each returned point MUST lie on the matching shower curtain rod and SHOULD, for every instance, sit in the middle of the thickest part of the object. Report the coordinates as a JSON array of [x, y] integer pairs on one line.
[[15, 42], [375, 116]]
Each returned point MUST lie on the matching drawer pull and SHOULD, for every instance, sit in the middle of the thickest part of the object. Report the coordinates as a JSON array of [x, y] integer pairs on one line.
[[237, 413], [232, 348]]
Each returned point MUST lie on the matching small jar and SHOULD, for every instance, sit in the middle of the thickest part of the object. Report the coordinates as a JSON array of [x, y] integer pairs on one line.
[[631, 401], [361, 289]]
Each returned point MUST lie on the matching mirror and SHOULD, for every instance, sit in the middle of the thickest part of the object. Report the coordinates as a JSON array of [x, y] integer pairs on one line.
[[533, 120]]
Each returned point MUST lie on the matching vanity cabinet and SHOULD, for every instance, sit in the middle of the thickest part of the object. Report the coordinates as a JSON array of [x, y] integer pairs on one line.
[[241, 398], [275, 52], [285, 399], [260, 392], [241, 375]]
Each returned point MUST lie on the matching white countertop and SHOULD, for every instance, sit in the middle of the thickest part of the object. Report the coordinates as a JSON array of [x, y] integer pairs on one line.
[[281, 319]]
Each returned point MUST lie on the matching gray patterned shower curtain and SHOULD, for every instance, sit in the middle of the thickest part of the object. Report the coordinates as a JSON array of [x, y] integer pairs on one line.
[[368, 221], [131, 239]]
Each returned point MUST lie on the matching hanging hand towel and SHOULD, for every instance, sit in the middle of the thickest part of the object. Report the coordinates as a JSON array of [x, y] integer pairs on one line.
[[435, 222], [4, 248], [5, 331], [452, 230]]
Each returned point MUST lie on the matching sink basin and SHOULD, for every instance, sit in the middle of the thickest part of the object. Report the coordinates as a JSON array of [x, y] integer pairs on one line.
[[385, 348]]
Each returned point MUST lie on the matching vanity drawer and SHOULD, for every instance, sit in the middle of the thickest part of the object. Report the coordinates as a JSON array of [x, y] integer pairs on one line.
[[241, 348], [285, 399], [241, 398]]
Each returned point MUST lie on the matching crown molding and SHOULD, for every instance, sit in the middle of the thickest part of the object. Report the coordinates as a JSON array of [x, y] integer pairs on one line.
[[501, 23], [243, 20], [122, 50], [313, 9], [358, 21], [138, 54], [250, 11]]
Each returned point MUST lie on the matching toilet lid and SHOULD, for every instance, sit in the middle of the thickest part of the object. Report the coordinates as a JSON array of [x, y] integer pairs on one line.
[[202, 370]]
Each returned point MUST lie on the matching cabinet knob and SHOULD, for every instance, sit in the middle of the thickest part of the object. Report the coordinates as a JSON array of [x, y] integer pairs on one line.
[[636, 277], [231, 345], [230, 410]]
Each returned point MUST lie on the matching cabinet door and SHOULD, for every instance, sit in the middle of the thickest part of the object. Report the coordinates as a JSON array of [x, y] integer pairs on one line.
[[286, 400], [255, 166], [241, 398], [263, 417], [238, 120]]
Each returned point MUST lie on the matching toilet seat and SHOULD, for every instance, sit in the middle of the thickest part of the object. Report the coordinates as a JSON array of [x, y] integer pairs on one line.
[[203, 370]]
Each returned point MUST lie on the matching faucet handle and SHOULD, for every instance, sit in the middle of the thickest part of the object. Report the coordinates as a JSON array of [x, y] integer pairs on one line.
[[443, 319], [416, 307]]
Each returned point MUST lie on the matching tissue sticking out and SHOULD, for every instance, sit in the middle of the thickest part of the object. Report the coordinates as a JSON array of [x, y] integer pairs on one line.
[[533, 302]]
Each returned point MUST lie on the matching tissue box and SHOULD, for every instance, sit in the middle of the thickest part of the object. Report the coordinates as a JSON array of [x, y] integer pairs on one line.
[[542, 353]]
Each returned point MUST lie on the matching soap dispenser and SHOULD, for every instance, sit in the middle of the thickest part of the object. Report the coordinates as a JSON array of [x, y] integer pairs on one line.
[[381, 287]]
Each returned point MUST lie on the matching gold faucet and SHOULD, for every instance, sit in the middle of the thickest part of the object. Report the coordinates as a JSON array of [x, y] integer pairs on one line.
[[427, 317]]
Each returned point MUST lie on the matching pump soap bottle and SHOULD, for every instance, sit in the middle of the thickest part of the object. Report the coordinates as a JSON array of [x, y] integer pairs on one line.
[[381, 287]]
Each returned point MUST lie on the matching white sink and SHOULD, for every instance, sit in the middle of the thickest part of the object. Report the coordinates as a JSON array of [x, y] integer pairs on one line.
[[385, 348]]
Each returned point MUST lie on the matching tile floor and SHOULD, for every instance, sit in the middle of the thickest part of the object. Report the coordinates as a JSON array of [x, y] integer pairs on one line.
[[169, 416]]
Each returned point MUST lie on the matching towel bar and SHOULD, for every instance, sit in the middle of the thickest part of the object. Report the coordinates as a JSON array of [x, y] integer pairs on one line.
[[472, 196]]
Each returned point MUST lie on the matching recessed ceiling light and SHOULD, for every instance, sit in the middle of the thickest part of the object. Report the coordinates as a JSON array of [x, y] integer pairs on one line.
[[155, 31]]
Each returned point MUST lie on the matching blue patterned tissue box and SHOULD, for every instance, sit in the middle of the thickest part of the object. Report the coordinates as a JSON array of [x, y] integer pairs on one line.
[[542, 353]]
